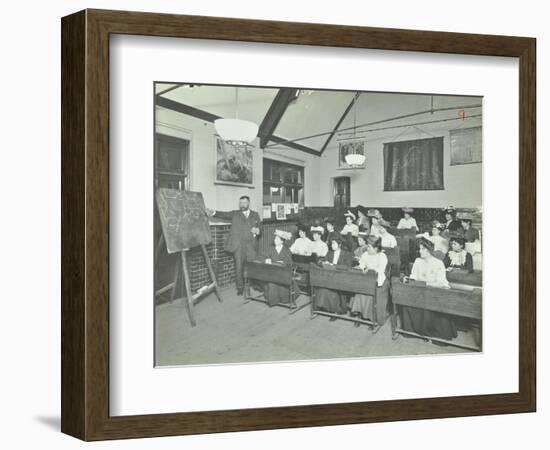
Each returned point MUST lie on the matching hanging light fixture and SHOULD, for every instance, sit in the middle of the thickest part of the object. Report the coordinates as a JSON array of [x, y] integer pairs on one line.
[[355, 159], [235, 131]]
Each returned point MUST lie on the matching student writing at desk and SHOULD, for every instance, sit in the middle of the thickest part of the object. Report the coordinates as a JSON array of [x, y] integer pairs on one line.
[[361, 305], [327, 299], [431, 270], [278, 253]]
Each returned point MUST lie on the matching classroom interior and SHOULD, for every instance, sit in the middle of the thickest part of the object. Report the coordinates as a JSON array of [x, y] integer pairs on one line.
[[296, 173]]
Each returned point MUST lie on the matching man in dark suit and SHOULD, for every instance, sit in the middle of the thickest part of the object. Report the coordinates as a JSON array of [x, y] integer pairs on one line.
[[243, 238]]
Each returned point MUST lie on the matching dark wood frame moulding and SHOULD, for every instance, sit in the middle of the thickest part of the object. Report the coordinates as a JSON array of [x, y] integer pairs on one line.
[[85, 224]]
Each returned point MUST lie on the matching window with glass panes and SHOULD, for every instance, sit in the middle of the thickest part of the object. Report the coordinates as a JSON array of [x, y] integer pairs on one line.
[[283, 183]]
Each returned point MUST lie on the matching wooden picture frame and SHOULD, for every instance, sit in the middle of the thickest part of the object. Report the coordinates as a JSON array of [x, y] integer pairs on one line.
[[85, 224]]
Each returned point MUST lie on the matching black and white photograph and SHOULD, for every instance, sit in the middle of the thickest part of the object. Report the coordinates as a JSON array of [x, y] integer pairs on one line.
[[295, 260]]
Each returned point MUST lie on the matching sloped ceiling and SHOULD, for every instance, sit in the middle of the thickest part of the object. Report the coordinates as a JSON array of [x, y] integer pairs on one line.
[[309, 119]]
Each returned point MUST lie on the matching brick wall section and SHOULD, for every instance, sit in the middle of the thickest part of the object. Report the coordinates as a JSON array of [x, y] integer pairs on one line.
[[222, 262]]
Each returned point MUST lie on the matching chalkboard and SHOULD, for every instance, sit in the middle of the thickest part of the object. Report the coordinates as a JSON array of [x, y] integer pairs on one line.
[[183, 218], [465, 146]]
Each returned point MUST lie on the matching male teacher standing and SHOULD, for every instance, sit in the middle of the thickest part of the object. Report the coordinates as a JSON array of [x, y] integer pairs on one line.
[[243, 238]]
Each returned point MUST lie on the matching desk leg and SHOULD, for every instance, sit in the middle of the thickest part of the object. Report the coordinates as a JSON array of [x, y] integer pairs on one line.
[[176, 279], [187, 280], [313, 298], [211, 272], [394, 320]]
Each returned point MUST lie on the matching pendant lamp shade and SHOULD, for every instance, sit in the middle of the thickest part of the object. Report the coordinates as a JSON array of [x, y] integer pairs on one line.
[[236, 131], [355, 159]]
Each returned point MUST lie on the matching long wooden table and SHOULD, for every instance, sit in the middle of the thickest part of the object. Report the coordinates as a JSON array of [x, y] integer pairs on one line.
[[350, 281], [455, 302]]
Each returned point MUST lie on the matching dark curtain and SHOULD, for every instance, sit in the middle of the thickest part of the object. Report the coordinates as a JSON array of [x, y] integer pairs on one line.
[[414, 165]]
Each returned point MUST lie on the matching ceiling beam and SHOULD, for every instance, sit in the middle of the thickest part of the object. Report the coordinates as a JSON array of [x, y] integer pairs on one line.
[[186, 109], [294, 145], [275, 113], [209, 117], [346, 112], [171, 88]]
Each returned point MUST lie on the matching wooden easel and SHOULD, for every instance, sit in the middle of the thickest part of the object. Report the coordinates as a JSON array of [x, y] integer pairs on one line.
[[181, 268]]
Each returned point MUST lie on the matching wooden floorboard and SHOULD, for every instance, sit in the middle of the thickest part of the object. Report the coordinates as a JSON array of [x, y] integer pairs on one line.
[[237, 332]]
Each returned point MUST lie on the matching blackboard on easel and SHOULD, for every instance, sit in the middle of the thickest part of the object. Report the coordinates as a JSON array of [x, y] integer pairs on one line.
[[185, 225], [183, 219]]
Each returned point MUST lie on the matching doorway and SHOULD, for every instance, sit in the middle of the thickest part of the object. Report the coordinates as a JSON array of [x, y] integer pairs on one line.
[[342, 192]]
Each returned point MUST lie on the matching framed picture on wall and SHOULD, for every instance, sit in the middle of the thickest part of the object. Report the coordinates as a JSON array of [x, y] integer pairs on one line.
[[466, 146], [348, 148], [210, 247], [234, 164]]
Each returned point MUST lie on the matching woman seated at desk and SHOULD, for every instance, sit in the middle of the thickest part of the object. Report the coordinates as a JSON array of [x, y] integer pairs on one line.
[[362, 221], [363, 305], [470, 234], [350, 228], [317, 246], [278, 254], [431, 270], [327, 299], [361, 245], [407, 222], [388, 240], [331, 233], [451, 224], [302, 243], [441, 245], [458, 257], [374, 216]]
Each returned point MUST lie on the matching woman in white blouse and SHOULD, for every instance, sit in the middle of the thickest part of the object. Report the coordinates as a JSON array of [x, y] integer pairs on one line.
[[388, 240], [431, 270], [317, 246], [302, 243], [374, 216], [408, 222], [350, 228], [375, 260]]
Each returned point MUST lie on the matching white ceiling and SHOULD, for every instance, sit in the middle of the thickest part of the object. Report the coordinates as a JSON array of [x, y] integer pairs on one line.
[[318, 111]]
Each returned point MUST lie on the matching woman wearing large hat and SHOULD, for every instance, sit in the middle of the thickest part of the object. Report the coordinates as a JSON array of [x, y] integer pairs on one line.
[[451, 224], [374, 216], [470, 233]]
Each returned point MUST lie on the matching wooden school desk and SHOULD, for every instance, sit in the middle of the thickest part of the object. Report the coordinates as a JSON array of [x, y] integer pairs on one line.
[[455, 302], [350, 281], [284, 275]]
